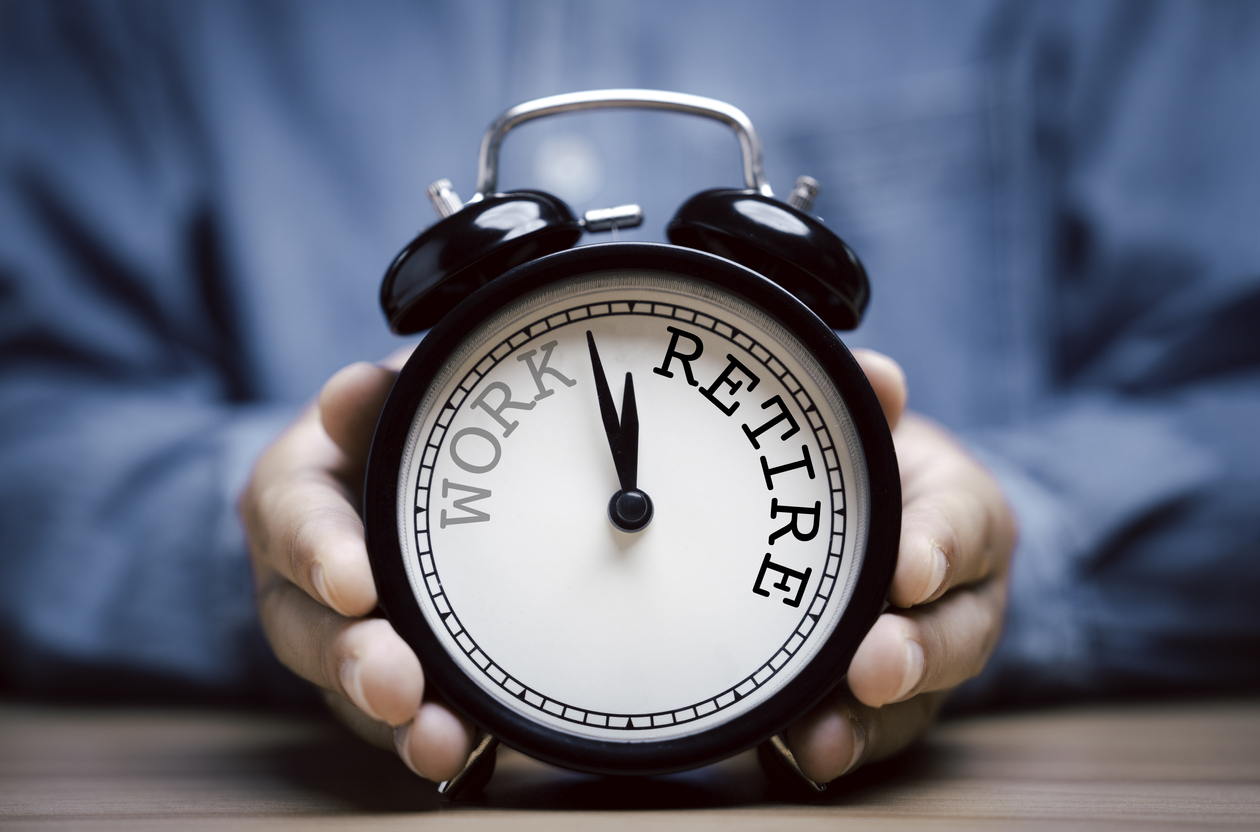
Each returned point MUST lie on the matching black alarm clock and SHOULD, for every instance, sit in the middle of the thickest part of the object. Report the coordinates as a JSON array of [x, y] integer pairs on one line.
[[633, 505]]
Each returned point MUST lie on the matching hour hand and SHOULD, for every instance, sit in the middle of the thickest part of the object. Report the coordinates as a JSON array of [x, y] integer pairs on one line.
[[629, 509], [628, 470]]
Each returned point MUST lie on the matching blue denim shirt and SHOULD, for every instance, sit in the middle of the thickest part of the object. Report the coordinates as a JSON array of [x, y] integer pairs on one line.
[[1057, 203]]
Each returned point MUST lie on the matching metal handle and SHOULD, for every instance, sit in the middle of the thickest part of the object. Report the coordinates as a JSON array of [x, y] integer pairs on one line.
[[733, 117]]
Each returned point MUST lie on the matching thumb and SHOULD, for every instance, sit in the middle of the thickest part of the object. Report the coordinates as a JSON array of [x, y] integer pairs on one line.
[[888, 381], [350, 403]]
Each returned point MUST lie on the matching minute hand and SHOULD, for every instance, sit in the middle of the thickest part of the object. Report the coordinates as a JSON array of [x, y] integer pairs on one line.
[[623, 434]]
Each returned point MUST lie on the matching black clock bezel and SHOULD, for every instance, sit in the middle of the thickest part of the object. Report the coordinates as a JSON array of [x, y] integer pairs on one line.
[[637, 757]]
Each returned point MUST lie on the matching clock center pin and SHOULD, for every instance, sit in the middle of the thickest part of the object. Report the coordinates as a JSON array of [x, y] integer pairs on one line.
[[630, 511]]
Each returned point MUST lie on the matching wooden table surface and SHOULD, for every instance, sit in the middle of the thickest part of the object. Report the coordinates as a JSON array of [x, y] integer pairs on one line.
[[1142, 766]]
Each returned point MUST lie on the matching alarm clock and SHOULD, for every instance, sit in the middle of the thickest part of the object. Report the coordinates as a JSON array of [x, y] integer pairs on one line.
[[633, 505]]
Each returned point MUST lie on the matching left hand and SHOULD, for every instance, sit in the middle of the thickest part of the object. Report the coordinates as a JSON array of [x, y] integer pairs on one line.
[[948, 597], [315, 591]]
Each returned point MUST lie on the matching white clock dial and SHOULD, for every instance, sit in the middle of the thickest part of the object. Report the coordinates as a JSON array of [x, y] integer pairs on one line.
[[751, 462]]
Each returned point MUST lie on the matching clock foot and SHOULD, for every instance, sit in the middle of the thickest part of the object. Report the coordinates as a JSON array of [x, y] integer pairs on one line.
[[780, 766], [473, 777]]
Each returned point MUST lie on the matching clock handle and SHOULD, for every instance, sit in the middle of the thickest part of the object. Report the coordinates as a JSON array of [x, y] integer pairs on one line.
[[473, 777], [477, 242], [696, 105]]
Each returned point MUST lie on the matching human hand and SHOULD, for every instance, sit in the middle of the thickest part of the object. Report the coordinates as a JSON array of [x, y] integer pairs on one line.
[[314, 583], [315, 587], [948, 595]]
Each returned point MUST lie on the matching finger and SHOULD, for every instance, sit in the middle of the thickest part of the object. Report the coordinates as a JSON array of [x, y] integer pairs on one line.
[[396, 359], [928, 648], [377, 733], [839, 735], [363, 660], [956, 525], [888, 381], [350, 403], [436, 743], [302, 524]]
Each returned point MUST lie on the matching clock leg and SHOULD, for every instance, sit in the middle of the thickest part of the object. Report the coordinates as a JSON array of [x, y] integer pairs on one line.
[[780, 766], [473, 777]]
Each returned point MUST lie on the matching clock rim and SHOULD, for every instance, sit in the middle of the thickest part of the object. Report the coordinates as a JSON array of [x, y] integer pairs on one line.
[[639, 757]]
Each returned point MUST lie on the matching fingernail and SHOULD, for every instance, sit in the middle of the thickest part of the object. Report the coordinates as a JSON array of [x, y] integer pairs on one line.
[[400, 745], [913, 669], [859, 745], [940, 565], [352, 684], [317, 580]]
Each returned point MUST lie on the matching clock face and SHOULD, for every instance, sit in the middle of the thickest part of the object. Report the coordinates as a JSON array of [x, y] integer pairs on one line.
[[760, 496]]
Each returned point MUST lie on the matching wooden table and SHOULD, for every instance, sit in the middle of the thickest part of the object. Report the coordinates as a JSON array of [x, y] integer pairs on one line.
[[1172, 765]]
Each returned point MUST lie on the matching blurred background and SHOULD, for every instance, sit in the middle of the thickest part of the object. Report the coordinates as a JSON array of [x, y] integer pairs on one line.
[[1057, 204]]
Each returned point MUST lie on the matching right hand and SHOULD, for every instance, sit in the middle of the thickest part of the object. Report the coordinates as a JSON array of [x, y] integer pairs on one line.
[[315, 592], [947, 599]]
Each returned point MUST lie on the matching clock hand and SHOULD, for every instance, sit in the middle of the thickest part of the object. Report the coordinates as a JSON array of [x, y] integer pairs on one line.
[[612, 426], [629, 473], [629, 509]]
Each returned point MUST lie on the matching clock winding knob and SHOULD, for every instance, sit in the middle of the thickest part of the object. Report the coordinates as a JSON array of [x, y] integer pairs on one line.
[[803, 194]]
